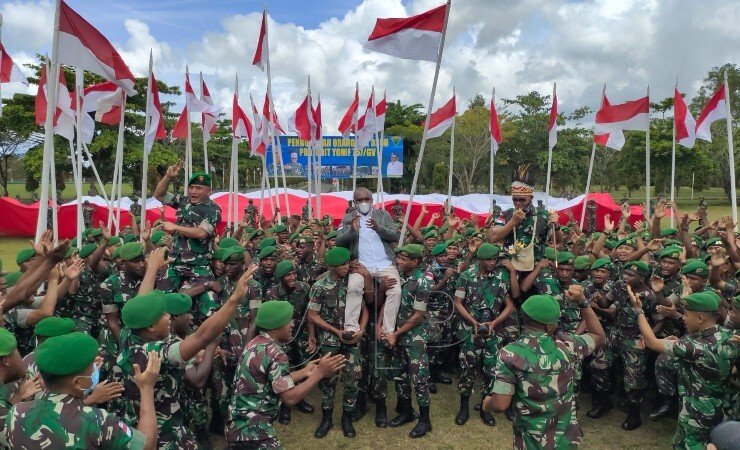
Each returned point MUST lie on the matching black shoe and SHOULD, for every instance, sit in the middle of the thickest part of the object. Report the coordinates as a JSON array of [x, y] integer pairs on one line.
[[325, 425], [601, 404], [432, 388], [361, 407], [347, 428], [464, 413], [381, 414], [666, 408], [217, 422], [284, 415], [201, 436], [509, 414], [405, 415], [423, 426], [476, 407], [304, 407], [487, 418], [633, 420], [437, 377]]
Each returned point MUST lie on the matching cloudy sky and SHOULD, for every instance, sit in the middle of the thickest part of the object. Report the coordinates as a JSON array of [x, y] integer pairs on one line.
[[516, 45]]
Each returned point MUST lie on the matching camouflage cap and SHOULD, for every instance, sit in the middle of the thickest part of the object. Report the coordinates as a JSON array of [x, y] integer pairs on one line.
[[67, 354], [54, 326]]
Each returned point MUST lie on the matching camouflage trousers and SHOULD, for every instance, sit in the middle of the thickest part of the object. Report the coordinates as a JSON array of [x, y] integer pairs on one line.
[[415, 363], [351, 376], [666, 373], [697, 418], [108, 351], [176, 438], [195, 405], [377, 366], [222, 383], [634, 360], [179, 275], [477, 353], [440, 338], [269, 443]]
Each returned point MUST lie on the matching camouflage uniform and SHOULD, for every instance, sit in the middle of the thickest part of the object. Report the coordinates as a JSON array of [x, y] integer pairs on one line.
[[298, 297], [62, 421], [115, 291], [85, 305], [5, 406], [194, 403], [170, 416], [598, 361], [327, 297], [309, 271], [672, 291], [537, 371], [192, 256], [439, 315], [570, 313], [285, 252], [262, 375], [16, 321], [480, 293], [526, 227]]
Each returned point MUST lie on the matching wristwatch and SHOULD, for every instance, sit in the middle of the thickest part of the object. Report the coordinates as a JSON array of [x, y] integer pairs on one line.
[[639, 312], [205, 285], [585, 303]]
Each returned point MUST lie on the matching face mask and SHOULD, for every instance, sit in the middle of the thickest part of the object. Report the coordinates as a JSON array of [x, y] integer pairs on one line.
[[94, 380], [364, 207]]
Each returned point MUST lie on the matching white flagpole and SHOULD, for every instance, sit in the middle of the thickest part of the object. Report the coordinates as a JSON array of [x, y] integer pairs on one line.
[[355, 149], [267, 184], [381, 147], [145, 156], [206, 166], [231, 163], [647, 158], [426, 129], [319, 151], [731, 153], [310, 147], [549, 158], [673, 162], [78, 158], [491, 157], [117, 169], [590, 169], [188, 142], [452, 160]]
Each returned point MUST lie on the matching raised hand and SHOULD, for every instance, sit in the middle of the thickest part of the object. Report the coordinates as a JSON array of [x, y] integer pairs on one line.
[[174, 170], [104, 392], [73, 271], [657, 284], [608, 223], [242, 285], [148, 377], [636, 302], [158, 259], [553, 216], [575, 293]]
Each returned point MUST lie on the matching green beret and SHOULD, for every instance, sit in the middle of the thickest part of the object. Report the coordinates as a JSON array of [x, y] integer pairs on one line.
[[304, 240], [646, 235], [24, 255], [283, 219], [551, 253], [228, 242], [267, 242], [279, 228], [218, 254], [639, 267], [626, 241], [71, 251], [283, 268], [200, 178], [293, 237], [274, 314], [469, 231], [431, 234], [668, 242], [582, 263], [711, 242], [566, 258], [248, 230], [144, 310], [331, 235], [87, 250], [116, 253], [255, 234], [115, 240], [11, 279], [701, 301], [128, 237], [67, 354], [92, 232], [479, 235], [600, 263], [610, 244], [668, 232], [671, 251], [54, 326], [487, 251], [439, 249], [336, 256], [8, 344], [698, 241], [157, 236], [443, 228], [542, 308], [695, 268], [177, 303], [303, 228], [266, 252], [411, 250], [131, 251], [235, 253]]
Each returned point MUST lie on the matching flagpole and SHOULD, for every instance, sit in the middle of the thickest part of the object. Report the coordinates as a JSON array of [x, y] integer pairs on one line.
[[590, 168], [51, 101], [231, 163], [647, 157], [549, 155], [452, 159], [673, 161], [78, 158], [731, 153], [206, 166], [355, 118], [354, 148], [309, 104], [491, 157], [117, 169], [145, 155], [381, 147], [188, 140], [426, 128], [319, 151]]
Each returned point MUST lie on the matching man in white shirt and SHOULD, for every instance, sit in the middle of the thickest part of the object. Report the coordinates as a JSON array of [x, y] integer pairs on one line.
[[395, 167]]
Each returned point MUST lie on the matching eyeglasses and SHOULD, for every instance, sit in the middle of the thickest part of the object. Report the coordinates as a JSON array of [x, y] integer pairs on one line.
[[519, 199]]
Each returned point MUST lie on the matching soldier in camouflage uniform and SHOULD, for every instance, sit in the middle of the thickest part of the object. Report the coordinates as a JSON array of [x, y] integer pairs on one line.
[[61, 420], [296, 292], [193, 234], [264, 380], [327, 301], [410, 339], [705, 357], [13, 369], [534, 375], [482, 299], [556, 283], [308, 266], [263, 280], [439, 315], [281, 234], [84, 299]]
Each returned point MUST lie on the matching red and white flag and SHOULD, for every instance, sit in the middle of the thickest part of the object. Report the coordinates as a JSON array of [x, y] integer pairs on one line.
[[317, 127], [715, 109], [494, 127], [345, 126], [366, 123], [416, 37], [278, 129], [260, 132], [442, 119], [83, 46], [632, 115], [194, 104], [104, 99], [683, 121], [240, 124], [155, 120], [180, 130], [552, 127], [380, 109], [613, 140], [301, 122], [64, 116], [208, 120], [261, 54], [10, 72]]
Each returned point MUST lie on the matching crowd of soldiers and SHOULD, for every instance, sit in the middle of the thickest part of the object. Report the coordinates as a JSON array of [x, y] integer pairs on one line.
[[155, 337]]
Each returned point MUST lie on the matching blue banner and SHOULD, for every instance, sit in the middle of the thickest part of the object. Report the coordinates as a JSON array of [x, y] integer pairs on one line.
[[337, 158]]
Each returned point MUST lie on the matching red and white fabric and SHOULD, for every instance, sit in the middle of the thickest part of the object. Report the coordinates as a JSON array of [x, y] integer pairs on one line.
[[366, 126], [552, 126], [260, 132], [345, 126], [10, 72], [208, 120], [613, 139], [683, 121], [261, 54], [301, 122], [416, 37], [266, 113], [442, 119], [715, 109], [380, 110], [64, 116], [155, 119], [494, 127], [317, 127]]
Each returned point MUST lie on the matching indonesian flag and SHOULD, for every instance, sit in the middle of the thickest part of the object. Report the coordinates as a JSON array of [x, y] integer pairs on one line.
[[632, 115], [301, 122], [154, 120], [683, 121], [345, 126], [180, 131], [64, 117], [613, 140], [494, 128], [366, 123], [208, 120], [103, 99], [10, 72], [82, 46], [266, 113], [442, 119], [261, 54], [380, 109], [552, 127], [261, 132], [316, 130], [240, 124], [715, 109], [417, 37], [194, 104]]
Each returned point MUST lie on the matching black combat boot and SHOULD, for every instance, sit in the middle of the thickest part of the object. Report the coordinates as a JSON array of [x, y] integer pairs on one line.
[[437, 377], [601, 404], [325, 425], [347, 428], [361, 407], [633, 420], [284, 414], [666, 407], [405, 414], [423, 426], [304, 407], [464, 413], [487, 417], [432, 388], [381, 414]]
